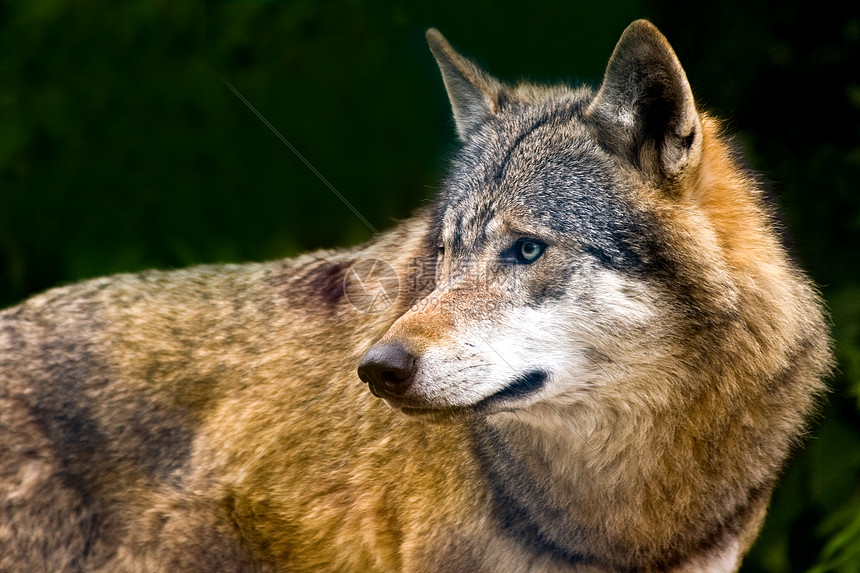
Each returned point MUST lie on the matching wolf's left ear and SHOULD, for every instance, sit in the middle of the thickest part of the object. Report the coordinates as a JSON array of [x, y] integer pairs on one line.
[[644, 108], [474, 95]]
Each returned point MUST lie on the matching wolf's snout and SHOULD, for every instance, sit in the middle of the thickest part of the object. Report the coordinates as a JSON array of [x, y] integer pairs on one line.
[[387, 369]]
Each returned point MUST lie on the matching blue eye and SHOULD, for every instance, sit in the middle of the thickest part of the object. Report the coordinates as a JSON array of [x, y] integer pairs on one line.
[[525, 251]]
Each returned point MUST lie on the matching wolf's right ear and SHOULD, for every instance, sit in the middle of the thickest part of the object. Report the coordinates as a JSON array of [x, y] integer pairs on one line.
[[474, 95], [644, 109]]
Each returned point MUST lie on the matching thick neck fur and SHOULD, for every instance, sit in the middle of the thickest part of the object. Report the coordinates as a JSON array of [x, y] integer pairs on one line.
[[646, 472]]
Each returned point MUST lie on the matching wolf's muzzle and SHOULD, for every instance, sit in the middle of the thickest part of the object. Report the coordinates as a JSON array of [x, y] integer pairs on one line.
[[387, 369]]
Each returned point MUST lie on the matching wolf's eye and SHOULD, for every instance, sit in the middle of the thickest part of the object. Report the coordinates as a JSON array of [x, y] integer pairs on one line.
[[524, 251]]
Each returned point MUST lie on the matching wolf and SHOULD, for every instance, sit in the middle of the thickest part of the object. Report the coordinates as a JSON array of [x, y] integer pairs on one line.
[[592, 352]]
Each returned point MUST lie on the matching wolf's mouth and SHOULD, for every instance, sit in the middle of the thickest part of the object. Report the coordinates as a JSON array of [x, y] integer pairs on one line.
[[522, 386]]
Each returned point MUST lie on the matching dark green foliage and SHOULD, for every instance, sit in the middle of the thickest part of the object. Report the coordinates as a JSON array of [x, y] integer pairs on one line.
[[121, 148]]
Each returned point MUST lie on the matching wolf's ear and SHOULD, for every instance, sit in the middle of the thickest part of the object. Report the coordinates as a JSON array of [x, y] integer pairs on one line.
[[474, 95], [645, 108]]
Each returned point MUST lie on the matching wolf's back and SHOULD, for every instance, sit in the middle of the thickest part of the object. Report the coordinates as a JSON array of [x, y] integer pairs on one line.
[[126, 403]]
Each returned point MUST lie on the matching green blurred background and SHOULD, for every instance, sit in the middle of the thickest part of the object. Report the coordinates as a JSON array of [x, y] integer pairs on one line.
[[121, 148]]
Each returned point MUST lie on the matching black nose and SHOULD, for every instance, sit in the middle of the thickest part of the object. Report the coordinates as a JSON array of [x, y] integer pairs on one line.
[[387, 369]]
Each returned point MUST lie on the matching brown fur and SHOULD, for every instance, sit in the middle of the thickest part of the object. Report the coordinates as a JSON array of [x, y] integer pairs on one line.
[[211, 418]]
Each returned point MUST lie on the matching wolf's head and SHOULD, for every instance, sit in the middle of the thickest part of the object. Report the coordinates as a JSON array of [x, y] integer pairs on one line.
[[589, 243]]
